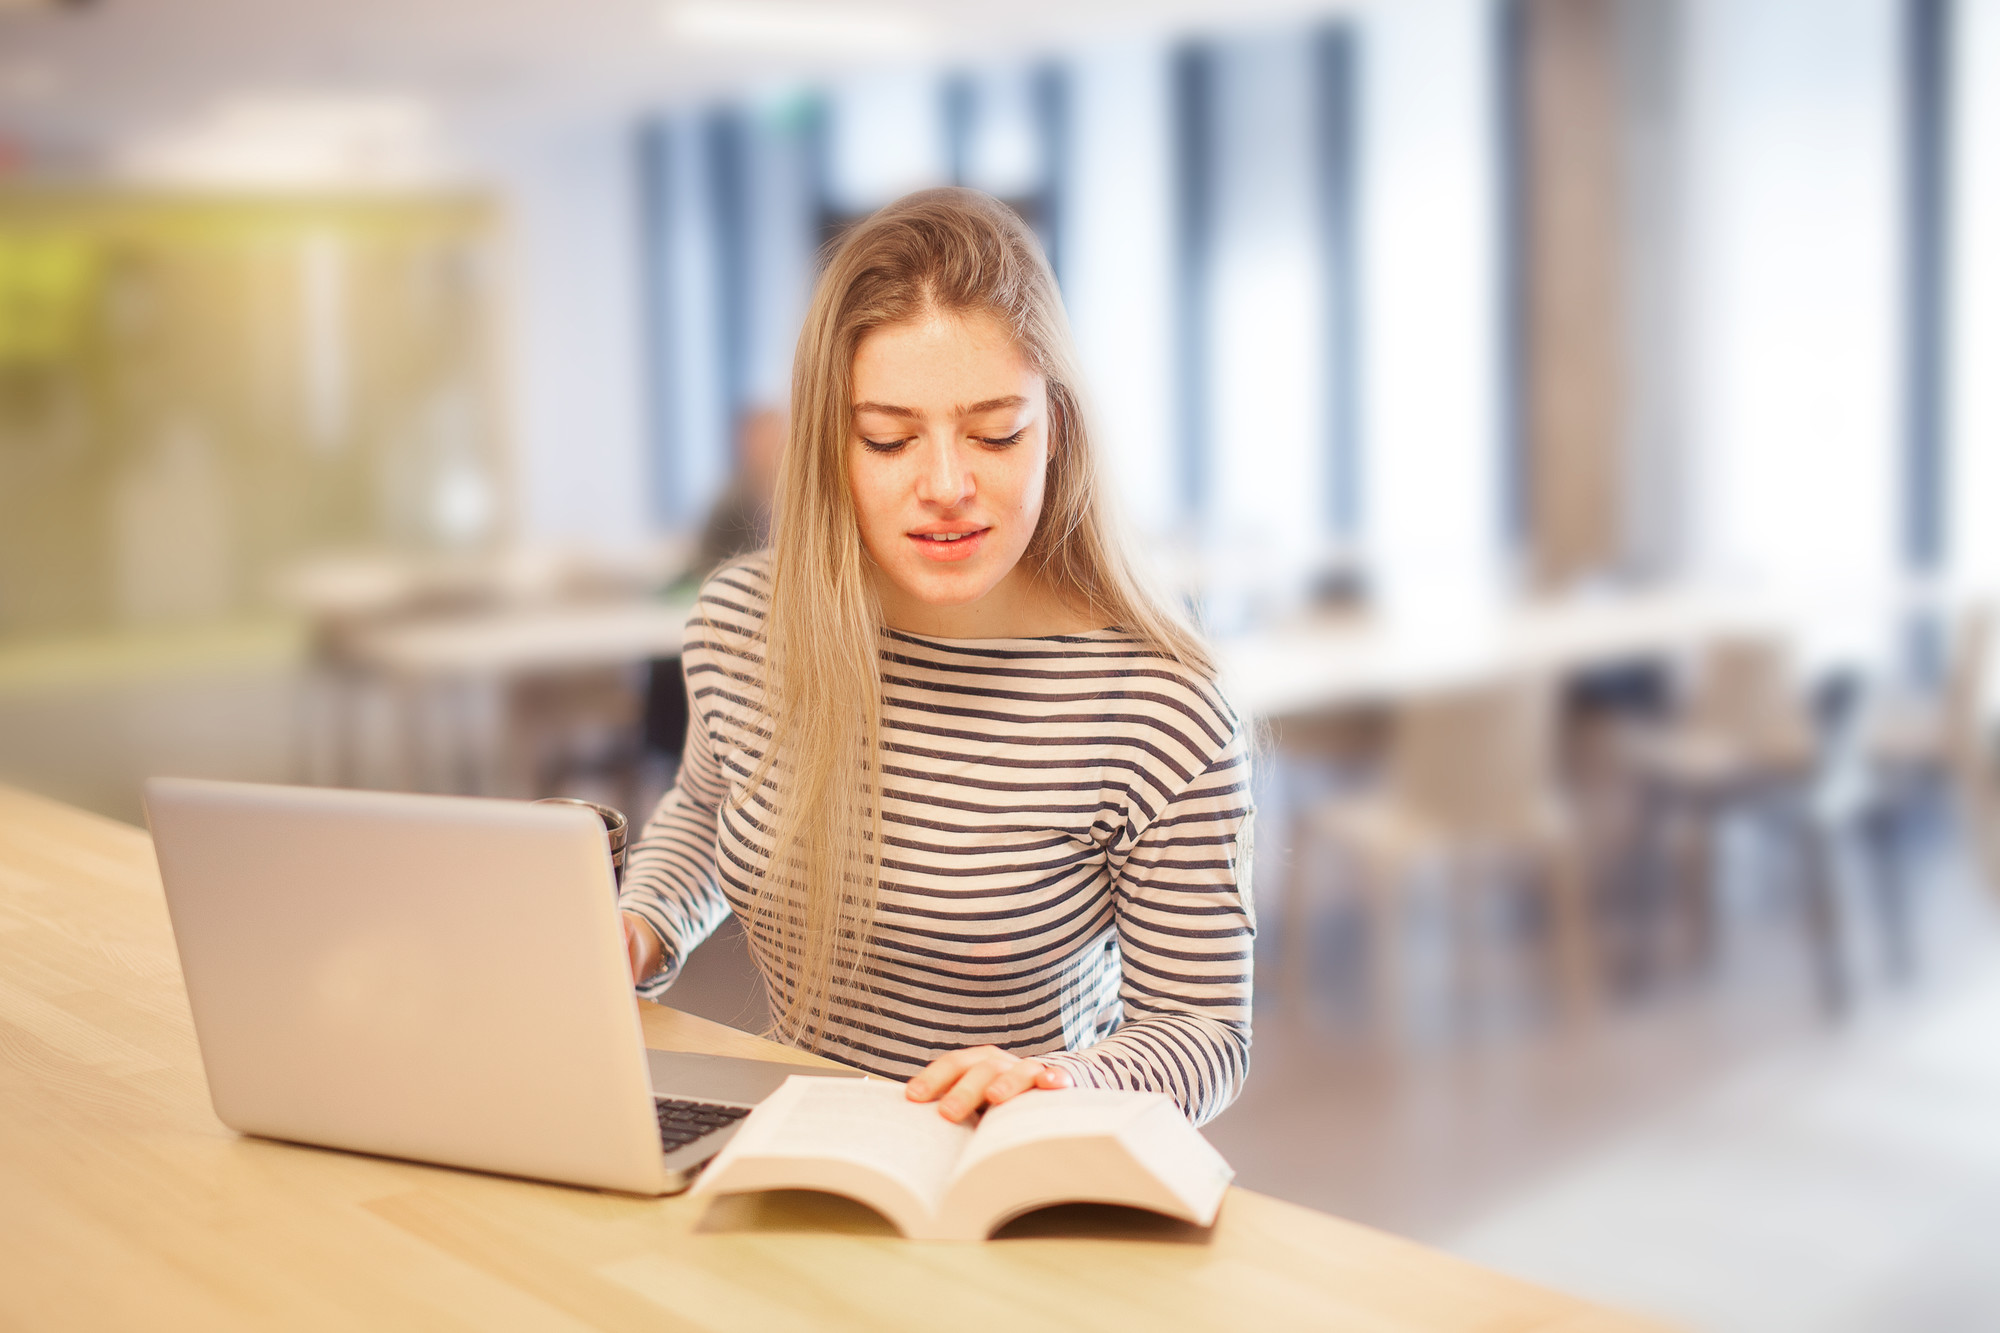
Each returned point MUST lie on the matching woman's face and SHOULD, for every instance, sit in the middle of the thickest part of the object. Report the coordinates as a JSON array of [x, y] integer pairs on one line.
[[947, 457]]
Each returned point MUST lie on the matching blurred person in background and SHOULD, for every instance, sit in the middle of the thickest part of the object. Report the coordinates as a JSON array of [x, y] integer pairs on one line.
[[740, 521], [737, 524], [1053, 889]]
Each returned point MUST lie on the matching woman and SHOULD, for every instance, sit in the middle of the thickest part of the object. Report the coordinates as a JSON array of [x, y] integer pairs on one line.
[[945, 616]]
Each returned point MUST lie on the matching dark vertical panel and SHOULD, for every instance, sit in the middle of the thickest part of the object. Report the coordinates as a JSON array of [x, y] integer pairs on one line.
[[726, 146], [816, 127], [960, 106], [1926, 92], [1513, 188], [1655, 107], [1194, 79], [1336, 138], [654, 152], [1053, 130], [1926, 205]]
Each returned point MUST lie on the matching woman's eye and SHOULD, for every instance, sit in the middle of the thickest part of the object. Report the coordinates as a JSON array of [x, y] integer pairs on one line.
[[882, 446], [1002, 441]]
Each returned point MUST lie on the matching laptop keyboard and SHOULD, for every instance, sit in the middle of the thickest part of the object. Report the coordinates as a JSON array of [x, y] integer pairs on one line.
[[681, 1123]]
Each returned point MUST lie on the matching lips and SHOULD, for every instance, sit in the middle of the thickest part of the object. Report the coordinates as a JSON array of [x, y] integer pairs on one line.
[[946, 546]]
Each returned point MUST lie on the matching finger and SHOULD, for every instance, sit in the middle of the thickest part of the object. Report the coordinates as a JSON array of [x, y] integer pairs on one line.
[[1014, 1080], [966, 1096], [641, 947], [969, 1092], [941, 1073], [944, 1071], [1053, 1077]]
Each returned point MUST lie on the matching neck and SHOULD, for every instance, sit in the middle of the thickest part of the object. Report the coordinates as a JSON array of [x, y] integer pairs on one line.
[[1020, 606]]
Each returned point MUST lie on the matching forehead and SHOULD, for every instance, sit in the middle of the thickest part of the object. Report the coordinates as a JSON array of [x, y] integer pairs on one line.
[[941, 359]]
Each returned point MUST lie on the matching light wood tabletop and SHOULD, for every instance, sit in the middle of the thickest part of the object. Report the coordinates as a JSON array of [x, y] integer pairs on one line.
[[1365, 662], [522, 641], [124, 1203]]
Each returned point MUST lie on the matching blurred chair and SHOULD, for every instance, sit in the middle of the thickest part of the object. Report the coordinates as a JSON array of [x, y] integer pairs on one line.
[[555, 636], [1470, 791], [560, 726], [1940, 737], [345, 600], [1744, 745], [1986, 819], [1919, 747]]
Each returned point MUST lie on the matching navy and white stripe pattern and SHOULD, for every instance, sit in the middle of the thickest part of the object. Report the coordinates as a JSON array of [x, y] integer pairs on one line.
[[1066, 868]]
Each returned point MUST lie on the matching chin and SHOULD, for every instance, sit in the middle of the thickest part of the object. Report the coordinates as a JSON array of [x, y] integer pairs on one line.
[[946, 587]]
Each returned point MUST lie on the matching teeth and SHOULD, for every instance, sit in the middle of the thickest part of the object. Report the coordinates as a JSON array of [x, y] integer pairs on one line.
[[945, 536]]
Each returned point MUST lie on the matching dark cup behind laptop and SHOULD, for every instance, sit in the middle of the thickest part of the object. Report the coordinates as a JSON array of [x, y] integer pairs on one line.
[[614, 829]]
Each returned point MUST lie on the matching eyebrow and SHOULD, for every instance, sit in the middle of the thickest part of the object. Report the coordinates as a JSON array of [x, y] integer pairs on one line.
[[911, 414]]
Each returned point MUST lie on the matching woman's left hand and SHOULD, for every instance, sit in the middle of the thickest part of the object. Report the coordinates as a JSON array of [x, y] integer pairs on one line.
[[961, 1082]]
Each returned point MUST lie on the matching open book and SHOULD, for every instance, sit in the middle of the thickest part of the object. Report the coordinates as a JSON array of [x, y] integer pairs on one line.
[[940, 1181]]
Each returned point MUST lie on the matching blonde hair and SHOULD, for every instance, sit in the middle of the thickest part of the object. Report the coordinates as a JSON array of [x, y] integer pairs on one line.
[[950, 251]]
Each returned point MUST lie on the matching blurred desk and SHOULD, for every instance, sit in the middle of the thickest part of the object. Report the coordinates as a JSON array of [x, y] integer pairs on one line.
[[129, 1205], [443, 661], [1291, 671], [516, 642]]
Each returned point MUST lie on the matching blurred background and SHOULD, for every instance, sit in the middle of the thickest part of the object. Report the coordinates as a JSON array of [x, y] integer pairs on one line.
[[1576, 420]]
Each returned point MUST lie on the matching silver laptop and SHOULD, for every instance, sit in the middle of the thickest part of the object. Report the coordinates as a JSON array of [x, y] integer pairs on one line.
[[435, 978]]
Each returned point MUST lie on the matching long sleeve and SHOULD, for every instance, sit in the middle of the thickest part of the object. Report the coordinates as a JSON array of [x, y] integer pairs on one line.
[[1185, 925], [1065, 858], [670, 880]]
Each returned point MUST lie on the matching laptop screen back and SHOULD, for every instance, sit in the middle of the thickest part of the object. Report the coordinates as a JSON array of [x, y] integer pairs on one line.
[[428, 977]]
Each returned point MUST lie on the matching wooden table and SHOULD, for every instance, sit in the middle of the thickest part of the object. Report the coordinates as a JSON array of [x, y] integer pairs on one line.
[[522, 641], [1303, 669], [124, 1203], [435, 668]]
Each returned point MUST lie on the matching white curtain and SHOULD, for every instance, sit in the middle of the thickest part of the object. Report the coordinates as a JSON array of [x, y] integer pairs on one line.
[[1265, 340], [1118, 263], [1794, 328], [887, 138], [1429, 336], [1973, 472]]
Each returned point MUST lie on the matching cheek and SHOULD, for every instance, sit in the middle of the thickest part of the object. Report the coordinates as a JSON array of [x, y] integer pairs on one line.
[[873, 492], [1026, 483]]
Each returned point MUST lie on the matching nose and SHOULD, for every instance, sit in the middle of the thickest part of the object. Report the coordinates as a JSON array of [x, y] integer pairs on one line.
[[946, 479]]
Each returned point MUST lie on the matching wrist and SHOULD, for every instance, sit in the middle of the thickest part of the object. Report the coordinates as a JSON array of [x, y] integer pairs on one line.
[[648, 951]]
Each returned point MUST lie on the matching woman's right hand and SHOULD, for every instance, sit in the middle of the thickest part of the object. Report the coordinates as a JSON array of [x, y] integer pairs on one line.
[[642, 947]]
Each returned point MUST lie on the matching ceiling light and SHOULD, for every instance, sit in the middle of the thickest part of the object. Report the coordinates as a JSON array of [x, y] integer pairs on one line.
[[294, 140], [794, 27]]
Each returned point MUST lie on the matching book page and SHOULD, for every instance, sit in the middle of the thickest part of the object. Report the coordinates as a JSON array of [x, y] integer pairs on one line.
[[1181, 1159], [1089, 1144], [871, 1124], [1046, 1114]]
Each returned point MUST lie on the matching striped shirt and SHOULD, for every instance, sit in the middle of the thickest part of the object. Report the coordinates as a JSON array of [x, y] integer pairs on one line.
[[1066, 861]]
